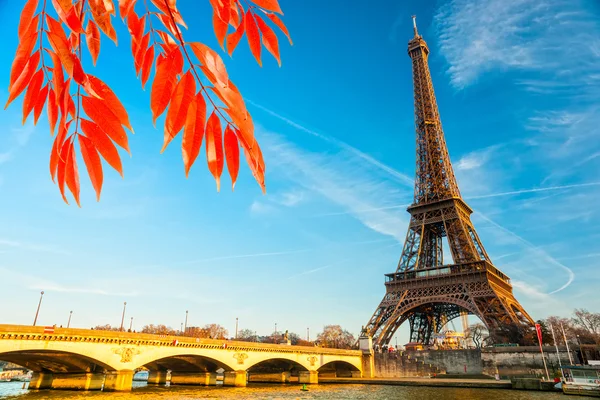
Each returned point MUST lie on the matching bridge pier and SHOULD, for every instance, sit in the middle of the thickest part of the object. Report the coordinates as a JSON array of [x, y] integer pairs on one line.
[[235, 378], [308, 377], [157, 377], [40, 380], [194, 378], [118, 381], [279, 377]]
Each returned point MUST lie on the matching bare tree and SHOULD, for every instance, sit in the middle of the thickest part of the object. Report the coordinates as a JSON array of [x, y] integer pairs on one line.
[[158, 329], [587, 321], [215, 331], [106, 327], [336, 337], [246, 335], [478, 333]]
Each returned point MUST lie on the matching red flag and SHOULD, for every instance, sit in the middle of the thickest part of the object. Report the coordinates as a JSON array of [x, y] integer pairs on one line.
[[538, 329]]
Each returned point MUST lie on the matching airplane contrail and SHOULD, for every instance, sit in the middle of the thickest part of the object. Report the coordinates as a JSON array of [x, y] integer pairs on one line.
[[405, 179], [577, 185]]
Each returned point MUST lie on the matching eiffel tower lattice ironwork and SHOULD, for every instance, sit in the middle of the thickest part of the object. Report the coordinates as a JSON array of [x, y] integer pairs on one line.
[[424, 291]]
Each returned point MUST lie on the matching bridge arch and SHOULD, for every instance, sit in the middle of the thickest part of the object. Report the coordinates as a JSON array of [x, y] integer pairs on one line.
[[187, 362], [339, 369], [55, 361], [276, 364]]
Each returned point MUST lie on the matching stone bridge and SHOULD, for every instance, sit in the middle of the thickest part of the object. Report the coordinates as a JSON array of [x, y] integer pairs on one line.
[[83, 359]]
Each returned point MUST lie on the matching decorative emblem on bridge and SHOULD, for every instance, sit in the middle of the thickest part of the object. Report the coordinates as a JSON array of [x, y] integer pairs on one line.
[[240, 357], [126, 353], [312, 360]]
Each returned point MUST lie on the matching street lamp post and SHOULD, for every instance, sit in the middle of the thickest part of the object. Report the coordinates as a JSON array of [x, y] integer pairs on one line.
[[130, 324], [307, 334], [236, 327], [38, 309], [69, 322], [185, 326], [123, 317], [276, 328]]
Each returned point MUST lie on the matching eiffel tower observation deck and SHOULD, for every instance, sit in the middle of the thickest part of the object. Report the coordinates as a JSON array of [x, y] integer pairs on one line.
[[424, 290]]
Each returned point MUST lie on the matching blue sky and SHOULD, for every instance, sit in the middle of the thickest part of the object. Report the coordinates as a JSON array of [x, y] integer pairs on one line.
[[518, 86]]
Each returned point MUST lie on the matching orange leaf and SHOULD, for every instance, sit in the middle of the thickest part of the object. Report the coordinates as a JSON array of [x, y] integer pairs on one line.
[[110, 7], [92, 163], [214, 148], [52, 110], [176, 116], [141, 52], [71, 173], [73, 21], [232, 154], [125, 7], [102, 115], [277, 21], [167, 69], [212, 61], [63, 158], [112, 101], [23, 53], [220, 28], [39, 104], [160, 4], [23, 79], [269, 38], [27, 17], [58, 78], [253, 36], [235, 18], [57, 145], [222, 8], [193, 132], [234, 38], [102, 18], [92, 37], [33, 90], [58, 41], [147, 65], [103, 143], [271, 5]]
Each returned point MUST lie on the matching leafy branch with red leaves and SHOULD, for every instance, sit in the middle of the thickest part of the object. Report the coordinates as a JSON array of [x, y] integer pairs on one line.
[[190, 81]]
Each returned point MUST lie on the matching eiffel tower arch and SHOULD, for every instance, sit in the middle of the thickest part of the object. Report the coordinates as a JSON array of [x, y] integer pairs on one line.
[[424, 291]]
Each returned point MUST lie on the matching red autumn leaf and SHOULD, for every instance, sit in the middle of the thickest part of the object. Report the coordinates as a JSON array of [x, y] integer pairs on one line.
[[232, 154], [269, 38], [52, 110], [23, 53], [103, 144], [141, 52], [58, 41], [180, 102], [112, 101], [102, 18], [222, 8], [110, 7], [212, 61], [220, 28], [193, 132], [101, 114], [63, 156], [172, 10], [253, 36], [214, 148], [147, 65], [92, 37], [39, 104], [24, 79], [235, 17], [234, 38], [92, 163], [71, 173], [57, 146], [277, 21], [33, 90], [125, 8], [73, 21], [271, 5], [27, 17], [165, 79]]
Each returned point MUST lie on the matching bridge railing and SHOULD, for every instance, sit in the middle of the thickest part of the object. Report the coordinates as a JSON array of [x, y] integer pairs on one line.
[[47, 333]]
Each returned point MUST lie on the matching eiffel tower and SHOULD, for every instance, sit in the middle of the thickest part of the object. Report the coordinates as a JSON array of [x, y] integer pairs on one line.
[[424, 291]]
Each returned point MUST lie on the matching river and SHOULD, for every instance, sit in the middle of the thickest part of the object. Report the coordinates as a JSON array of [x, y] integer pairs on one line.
[[13, 390]]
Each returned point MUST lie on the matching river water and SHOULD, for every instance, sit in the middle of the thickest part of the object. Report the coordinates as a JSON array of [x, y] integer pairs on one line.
[[13, 390]]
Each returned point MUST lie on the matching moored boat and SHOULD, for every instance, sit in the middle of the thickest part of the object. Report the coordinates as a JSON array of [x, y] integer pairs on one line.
[[581, 380]]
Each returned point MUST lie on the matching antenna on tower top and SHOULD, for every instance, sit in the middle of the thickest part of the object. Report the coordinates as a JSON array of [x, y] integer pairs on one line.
[[414, 17]]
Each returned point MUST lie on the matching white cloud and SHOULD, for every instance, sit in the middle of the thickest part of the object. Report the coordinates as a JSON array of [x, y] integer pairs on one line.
[[342, 179], [32, 247]]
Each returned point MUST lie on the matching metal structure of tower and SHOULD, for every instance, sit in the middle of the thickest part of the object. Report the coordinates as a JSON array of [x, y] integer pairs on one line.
[[424, 291]]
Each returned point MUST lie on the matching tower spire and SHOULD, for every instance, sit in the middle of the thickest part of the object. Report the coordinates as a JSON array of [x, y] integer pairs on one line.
[[414, 18]]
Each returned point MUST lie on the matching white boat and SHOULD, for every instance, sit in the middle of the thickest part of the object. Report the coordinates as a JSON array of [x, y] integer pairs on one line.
[[581, 380]]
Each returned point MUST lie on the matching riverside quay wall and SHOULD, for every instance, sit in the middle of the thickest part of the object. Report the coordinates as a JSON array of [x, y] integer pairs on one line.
[[505, 361]]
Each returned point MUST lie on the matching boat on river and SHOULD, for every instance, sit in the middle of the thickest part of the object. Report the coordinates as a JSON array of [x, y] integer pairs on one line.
[[581, 380]]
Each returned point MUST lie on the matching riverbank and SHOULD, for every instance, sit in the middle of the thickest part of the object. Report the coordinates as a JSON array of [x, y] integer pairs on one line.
[[432, 382]]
